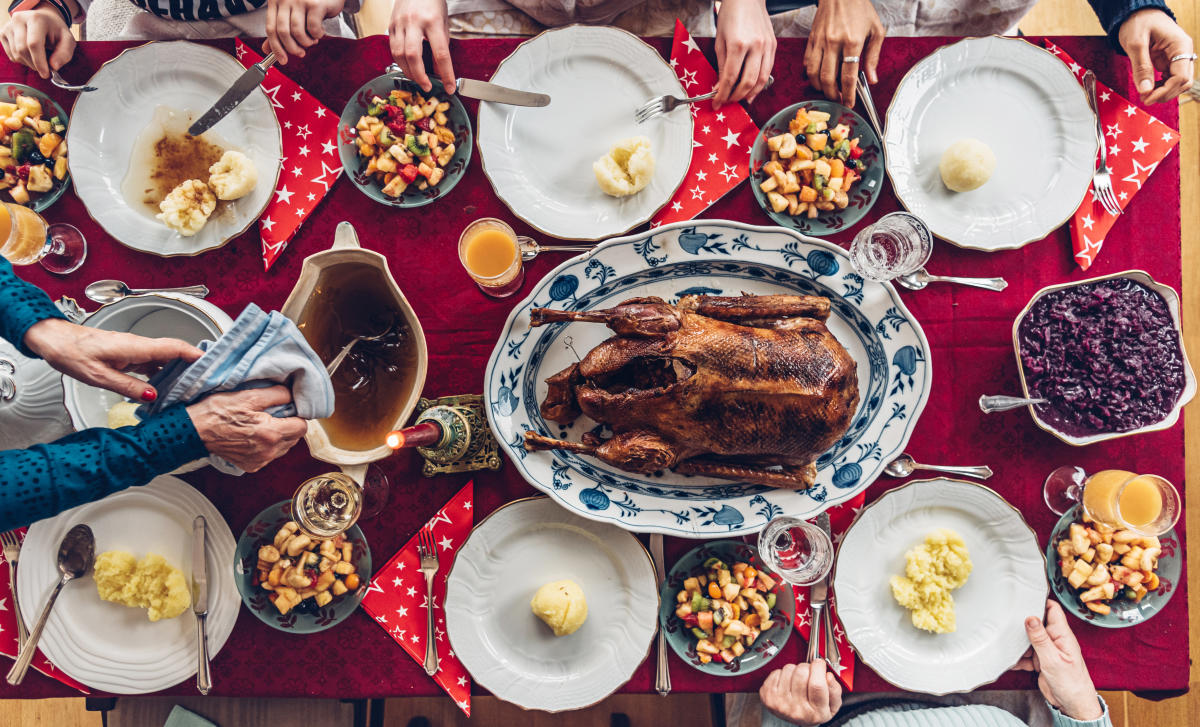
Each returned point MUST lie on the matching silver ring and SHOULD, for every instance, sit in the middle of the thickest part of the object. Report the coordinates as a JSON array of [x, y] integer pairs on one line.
[[1185, 57], [850, 59]]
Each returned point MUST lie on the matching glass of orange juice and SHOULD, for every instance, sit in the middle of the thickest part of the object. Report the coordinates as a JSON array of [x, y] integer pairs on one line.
[[1146, 504], [26, 238], [491, 254]]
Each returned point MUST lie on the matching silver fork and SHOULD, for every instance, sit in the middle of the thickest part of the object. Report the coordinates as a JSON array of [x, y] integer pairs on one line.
[[12, 550], [1102, 180], [666, 104], [59, 81], [427, 549]]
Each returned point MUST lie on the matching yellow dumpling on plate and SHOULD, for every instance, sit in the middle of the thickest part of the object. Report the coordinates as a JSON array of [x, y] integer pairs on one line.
[[151, 583], [627, 168], [561, 605], [932, 570]]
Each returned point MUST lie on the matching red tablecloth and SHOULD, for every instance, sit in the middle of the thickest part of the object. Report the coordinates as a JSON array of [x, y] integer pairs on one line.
[[968, 329]]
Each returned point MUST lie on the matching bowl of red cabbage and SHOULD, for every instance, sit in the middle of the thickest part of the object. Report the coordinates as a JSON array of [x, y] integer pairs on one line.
[[1107, 356]]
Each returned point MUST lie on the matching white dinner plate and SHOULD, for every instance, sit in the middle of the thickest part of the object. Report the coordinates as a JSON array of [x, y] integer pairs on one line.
[[1023, 103], [507, 649], [106, 123], [539, 160], [112, 647], [1007, 585]]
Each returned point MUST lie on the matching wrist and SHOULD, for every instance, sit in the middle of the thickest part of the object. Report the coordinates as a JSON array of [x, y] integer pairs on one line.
[[42, 337], [1084, 708], [57, 9]]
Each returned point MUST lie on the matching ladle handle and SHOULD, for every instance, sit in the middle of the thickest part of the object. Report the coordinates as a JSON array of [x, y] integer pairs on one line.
[[199, 291], [981, 473], [994, 404], [985, 283], [29, 648]]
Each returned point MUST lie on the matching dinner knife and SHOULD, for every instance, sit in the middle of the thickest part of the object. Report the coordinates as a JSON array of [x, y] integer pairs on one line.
[[818, 595], [200, 602], [831, 648], [485, 91], [237, 93], [662, 679]]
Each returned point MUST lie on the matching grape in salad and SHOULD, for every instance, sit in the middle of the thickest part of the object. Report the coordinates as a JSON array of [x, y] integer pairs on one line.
[[726, 608]]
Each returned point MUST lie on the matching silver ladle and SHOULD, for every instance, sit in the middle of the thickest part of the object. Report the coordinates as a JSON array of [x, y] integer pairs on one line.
[[110, 291], [903, 466]]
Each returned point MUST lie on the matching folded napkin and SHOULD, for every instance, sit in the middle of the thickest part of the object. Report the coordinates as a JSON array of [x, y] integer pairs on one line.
[[396, 598], [840, 517], [8, 628], [310, 163], [1136, 142], [260, 350], [721, 139], [180, 717]]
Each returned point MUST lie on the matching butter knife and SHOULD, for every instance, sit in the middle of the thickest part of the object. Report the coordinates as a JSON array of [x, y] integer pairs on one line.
[[831, 648], [662, 678], [200, 602], [818, 595], [485, 91], [237, 93]]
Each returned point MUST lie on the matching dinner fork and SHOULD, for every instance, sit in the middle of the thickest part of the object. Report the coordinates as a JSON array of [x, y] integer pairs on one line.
[[12, 550], [427, 549], [1102, 180], [666, 104], [59, 81]]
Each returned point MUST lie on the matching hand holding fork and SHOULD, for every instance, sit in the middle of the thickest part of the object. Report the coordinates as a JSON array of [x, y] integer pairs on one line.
[[427, 549]]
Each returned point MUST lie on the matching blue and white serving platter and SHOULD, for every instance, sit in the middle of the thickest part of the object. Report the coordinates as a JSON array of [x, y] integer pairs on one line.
[[716, 258]]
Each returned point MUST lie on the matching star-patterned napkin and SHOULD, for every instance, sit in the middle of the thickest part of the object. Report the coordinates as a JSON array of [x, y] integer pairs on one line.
[[721, 139], [396, 598], [1136, 142], [840, 518], [310, 163], [8, 629]]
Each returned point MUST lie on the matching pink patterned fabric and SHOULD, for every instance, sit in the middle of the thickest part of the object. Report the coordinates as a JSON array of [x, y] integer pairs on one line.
[[969, 333]]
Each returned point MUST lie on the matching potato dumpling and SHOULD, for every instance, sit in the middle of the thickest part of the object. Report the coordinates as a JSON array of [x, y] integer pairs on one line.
[[151, 583], [122, 415], [967, 164], [187, 207], [627, 168], [933, 569], [561, 605], [233, 176]]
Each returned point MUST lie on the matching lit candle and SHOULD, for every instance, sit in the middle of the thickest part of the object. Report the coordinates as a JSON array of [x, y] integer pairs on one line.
[[422, 434]]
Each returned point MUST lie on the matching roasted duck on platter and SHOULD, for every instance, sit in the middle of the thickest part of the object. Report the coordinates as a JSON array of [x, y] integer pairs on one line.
[[749, 388]]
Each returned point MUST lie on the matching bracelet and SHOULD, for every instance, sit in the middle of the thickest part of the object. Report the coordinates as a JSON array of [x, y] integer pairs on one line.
[[60, 5]]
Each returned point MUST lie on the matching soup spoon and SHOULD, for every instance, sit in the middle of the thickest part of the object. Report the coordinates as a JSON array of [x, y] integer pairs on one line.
[[531, 249], [110, 291], [918, 279]]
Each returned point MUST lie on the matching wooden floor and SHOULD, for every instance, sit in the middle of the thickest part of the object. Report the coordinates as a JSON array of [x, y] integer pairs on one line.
[[1050, 17]]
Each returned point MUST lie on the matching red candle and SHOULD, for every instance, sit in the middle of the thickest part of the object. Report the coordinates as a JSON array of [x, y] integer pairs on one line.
[[422, 434]]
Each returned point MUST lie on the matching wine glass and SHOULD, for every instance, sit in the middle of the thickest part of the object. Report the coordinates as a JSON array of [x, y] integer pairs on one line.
[[1146, 504], [799, 552], [327, 504], [26, 238]]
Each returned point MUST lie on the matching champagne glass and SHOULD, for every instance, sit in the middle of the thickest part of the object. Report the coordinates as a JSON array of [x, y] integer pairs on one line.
[[327, 504], [799, 552], [1146, 504], [26, 238]]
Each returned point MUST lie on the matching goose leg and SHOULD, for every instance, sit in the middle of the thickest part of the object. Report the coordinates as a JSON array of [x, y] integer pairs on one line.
[[789, 477]]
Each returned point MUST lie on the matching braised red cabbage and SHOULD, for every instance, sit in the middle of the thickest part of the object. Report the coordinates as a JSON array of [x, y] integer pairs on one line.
[[1105, 355]]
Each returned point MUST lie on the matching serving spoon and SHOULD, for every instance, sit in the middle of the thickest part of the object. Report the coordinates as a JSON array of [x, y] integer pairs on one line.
[[903, 466], [110, 291], [994, 404], [75, 555], [920, 278]]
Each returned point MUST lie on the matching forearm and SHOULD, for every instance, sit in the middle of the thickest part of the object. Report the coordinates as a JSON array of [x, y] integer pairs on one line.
[[1062, 720], [21, 305], [1112, 13], [46, 479]]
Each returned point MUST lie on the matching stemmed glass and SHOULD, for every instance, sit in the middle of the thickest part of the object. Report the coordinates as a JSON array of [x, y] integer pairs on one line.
[[29, 239], [799, 552], [1146, 504], [329, 504]]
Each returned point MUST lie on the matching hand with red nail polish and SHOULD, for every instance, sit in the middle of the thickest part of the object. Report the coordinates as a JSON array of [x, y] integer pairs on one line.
[[105, 358]]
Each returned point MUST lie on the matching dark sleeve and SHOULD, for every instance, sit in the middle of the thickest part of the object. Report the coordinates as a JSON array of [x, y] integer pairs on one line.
[[46, 479], [21, 305], [1114, 12]]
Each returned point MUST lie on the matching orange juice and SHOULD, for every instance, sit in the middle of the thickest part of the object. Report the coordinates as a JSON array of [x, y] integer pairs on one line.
[[1140, 501], [22, 234], [490, 252], [1100, 495]]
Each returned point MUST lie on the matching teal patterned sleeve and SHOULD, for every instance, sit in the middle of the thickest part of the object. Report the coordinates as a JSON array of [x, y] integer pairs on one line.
[[21, 305]]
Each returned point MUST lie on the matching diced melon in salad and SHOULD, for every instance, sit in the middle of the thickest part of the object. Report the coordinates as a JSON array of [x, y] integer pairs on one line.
[[726, 608]]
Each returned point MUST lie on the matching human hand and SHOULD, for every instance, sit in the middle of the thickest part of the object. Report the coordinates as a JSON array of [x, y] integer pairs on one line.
[[294, 25], [1062, 675], [28, 35], [235, 425], [1152, 39], [745, 48], [843, 29], [100, 358], [806, 694], [414, 21]]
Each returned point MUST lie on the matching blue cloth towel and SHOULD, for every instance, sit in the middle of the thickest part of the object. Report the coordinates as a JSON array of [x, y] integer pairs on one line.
[[181, 717], [260, 350]]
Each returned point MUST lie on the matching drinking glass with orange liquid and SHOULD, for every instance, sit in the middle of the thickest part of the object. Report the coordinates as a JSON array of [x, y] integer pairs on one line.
[[1147, 504], [26, 238], [490, 251]]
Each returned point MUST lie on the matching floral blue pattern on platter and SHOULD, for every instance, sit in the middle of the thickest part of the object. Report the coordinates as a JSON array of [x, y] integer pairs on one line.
[[679, 635], [50, 109], [354, 164], [305, 618], [1124, 613], [863, 193], [715, 258]]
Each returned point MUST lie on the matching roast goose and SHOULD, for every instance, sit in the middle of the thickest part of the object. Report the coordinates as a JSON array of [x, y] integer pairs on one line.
[[751, 388]]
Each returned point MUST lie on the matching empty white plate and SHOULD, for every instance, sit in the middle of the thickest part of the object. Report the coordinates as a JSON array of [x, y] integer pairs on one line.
[[507, 649], [1022, 102], [539, 160], [1007, 585]]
